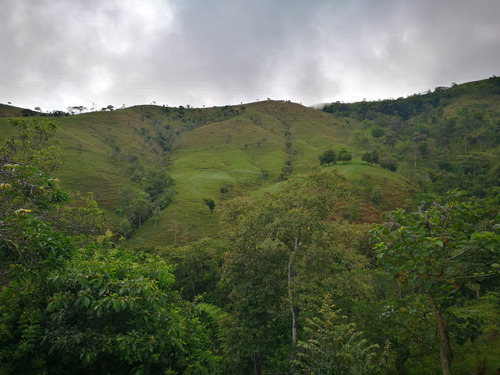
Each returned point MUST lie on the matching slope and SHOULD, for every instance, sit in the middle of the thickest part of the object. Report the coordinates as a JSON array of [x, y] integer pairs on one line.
[[223, 152]]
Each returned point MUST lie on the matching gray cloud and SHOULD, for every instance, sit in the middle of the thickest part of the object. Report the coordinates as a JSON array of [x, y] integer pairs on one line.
[[216, 52]]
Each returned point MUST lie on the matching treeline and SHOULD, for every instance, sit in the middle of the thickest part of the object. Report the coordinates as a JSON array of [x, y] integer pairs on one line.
[[433, 146], [405, 108]]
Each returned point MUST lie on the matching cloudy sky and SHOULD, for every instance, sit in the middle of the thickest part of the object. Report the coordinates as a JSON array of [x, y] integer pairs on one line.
[[60, 53]]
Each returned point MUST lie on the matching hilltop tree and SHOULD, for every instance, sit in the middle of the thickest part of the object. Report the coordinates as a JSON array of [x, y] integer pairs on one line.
[[344, 156], [328, 157], [370, 157]]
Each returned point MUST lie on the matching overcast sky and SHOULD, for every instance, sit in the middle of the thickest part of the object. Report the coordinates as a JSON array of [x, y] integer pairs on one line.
[[60, 53]]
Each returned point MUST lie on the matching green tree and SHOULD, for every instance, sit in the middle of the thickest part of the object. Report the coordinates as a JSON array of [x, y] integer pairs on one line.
[[106, 310], [117, 309], [136, 206], [198, 269], [269, 236], [370, 157], [30, 200], [328, 157], [160, 187], [377, 132], [210, 203], [444, 253], [224, 189], [336, 347], [264, 173], [344, 156], [91, 310]]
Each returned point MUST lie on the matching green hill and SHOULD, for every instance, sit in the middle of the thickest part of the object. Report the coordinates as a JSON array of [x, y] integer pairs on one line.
[[424, 144]]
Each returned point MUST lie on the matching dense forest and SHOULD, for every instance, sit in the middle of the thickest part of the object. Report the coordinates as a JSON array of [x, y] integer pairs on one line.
[[295, 277]]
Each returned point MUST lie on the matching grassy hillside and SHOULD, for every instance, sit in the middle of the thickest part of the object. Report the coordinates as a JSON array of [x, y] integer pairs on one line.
[[249, 148]]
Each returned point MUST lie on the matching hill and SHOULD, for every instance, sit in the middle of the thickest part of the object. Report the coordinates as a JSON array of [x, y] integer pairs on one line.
[[402, 150]]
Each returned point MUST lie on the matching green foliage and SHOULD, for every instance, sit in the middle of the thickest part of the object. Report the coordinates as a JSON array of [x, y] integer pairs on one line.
[[117, 309], [24, 163], [91, 310], [328, 157], [257, 282], [198, 269], [35, 144], [159, 186], [282, 251], [210, 203], [29, 201], [441, 250], [446, 253], [377, 132], [80, 218], [333, 346], [27, 244], [370, 157], [107, 309], [344, 156], [138, 206]]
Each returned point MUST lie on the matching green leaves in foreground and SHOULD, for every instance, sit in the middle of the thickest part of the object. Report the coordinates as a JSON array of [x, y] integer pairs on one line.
[[447, 253], [106, 311], [118, 309], [336, 347]]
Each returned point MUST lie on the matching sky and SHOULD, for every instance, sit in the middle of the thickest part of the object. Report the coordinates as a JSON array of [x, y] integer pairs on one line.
[[60, 53]]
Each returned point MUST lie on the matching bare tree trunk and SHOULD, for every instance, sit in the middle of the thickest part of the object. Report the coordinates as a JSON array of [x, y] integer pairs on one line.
[[256, 362], [291, 301], [445, 354]]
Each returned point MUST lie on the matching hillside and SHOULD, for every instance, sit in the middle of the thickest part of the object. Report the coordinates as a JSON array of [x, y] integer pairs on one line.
[[403, 150]]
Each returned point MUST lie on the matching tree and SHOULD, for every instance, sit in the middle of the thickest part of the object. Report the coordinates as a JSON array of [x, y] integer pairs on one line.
[[335, 346], [370, 157], [130, 318], [444, 253], [377, 132], [367, 156], [198, 269], [328, 157], [279, 228], [69, 301], [28, 199], [344, 156], [107, 309], [210, 204], [387, 161], [224, 189], [76, 109], [264, 173]]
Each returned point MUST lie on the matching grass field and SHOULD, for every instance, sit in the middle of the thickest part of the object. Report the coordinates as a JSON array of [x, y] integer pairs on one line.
[[213, 148]]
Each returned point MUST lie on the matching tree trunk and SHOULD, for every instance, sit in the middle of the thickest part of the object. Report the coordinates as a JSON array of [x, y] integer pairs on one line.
[[256, 362], [291, 301], [445, 354]]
